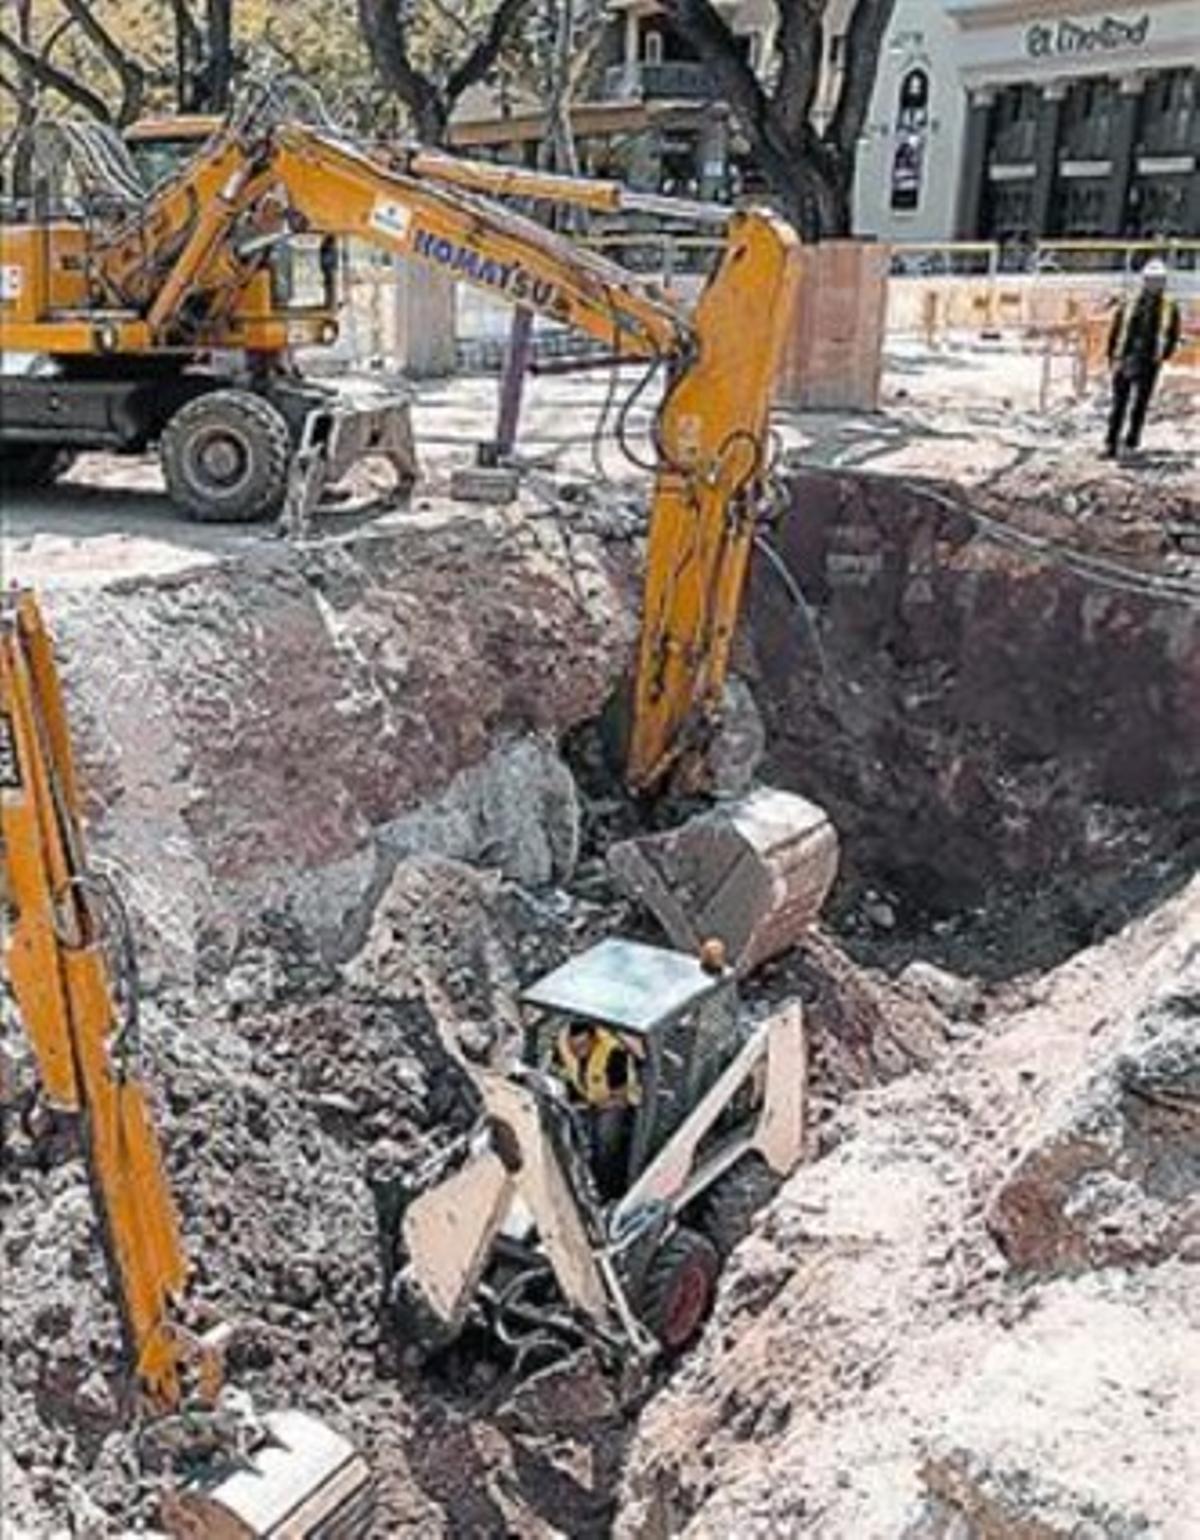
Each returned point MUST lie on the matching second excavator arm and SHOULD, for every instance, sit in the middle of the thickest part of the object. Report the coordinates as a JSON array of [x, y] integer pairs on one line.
[[60, 973]]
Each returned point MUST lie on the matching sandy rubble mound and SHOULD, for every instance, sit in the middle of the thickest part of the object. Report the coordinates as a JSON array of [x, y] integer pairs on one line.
[[289, 1098], [879, 1366]]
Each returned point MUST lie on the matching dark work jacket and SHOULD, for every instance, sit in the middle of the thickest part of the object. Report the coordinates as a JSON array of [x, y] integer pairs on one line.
[[1144, 333]]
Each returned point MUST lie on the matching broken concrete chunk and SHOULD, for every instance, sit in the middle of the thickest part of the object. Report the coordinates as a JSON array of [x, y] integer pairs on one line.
[[1114, 1179], [753, 873], [956, 997], [484, 484]]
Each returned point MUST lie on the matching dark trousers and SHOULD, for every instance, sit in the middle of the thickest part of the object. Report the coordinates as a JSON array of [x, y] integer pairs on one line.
[[1136, 381]]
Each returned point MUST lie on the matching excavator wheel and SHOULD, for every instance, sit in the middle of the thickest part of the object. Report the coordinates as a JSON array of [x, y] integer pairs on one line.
[[732, 1203], [32, 465], [677, 1291], [225, 456]]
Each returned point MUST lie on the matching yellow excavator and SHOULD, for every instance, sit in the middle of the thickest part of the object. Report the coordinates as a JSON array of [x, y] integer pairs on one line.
[[166, 316], [67, 960], [171, 317]]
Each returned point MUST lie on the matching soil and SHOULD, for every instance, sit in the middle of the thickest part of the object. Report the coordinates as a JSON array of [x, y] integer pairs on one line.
[[343, 884]]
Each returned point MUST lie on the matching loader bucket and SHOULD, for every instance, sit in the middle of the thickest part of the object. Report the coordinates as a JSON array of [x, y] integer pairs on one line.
[[304, 1480], [753, 872]]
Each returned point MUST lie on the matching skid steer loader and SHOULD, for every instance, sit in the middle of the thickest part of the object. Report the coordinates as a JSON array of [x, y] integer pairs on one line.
[[513, 1232]]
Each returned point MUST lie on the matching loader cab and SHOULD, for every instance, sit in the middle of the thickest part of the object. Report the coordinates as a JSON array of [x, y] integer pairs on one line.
[[681, 1020]]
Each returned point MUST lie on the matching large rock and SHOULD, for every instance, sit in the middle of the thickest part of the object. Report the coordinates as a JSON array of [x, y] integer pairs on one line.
[[1114, 1176], [281, 728]]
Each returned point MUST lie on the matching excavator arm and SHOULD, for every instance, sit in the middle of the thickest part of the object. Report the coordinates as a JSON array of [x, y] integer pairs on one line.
[[60, 977], [189, 270], [710, 435], [304, 1479]]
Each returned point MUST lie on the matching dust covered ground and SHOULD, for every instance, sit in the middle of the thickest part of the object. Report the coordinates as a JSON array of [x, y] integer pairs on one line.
[[350, 838]]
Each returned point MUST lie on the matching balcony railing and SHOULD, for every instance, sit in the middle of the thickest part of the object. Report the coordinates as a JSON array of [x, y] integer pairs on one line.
[[635, 82]]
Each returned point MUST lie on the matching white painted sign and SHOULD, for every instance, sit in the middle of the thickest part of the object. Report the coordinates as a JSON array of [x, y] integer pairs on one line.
[[390, 218], [12, 281]]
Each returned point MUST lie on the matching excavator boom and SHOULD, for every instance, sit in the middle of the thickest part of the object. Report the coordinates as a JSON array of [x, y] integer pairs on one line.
[[58, 968], [190, 270], [81, 1022]]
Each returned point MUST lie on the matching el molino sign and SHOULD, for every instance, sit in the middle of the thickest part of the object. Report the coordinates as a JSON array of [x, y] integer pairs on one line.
[[1067, 38]]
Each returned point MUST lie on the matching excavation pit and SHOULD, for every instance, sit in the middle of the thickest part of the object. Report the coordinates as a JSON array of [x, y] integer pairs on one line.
[[329, 778]]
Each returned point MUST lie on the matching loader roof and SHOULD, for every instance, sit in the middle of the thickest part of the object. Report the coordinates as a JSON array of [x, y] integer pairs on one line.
[[625, 984]]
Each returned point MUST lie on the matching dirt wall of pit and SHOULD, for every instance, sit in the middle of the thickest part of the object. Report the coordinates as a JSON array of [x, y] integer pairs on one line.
[[276, 731], [978, 715]]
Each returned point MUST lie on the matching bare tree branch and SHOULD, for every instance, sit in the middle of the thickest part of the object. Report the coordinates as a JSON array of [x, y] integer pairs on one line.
[[54, 79], [387, 43], [801, 46], [485, 53], [127, 69], [864, 40]]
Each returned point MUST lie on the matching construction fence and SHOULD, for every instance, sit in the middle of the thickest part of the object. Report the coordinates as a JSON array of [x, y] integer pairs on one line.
[[1056, 296]]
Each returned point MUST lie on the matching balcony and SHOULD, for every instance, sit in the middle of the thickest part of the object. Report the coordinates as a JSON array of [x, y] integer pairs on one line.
[[681, 80]]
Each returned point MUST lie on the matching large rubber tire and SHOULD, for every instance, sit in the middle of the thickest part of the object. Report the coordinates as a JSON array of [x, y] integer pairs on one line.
[[32, 465], [678, 1289], [732, 1202], [225, 456]]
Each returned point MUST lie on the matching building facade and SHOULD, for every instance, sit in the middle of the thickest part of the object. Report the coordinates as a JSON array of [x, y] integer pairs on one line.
[[1019, 120], [994, 120]]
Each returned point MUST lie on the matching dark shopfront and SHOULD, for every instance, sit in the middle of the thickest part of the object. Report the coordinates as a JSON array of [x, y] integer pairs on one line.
[[1097, 156]]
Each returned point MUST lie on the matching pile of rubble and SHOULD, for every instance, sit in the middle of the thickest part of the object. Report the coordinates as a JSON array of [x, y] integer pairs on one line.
[[330, 779], [978, 1314]]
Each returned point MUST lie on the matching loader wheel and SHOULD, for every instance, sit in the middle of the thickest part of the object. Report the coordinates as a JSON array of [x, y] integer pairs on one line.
[[733, 1201], [225, 456], [677, 1291], [32, 465]]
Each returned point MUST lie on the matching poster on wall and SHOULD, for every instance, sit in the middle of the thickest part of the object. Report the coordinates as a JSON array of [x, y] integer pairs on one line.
[[912, 125]]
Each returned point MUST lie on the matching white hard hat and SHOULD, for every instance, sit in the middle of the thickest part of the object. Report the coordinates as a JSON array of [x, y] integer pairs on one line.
[[1155, 268]]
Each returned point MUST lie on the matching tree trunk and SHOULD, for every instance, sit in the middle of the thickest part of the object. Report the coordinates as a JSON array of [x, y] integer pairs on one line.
[[219, 69]]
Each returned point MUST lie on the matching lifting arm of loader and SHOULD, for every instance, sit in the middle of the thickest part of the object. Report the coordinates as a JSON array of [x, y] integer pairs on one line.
[[522, 1164]]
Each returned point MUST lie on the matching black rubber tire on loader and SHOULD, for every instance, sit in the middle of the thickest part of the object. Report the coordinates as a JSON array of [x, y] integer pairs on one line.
[[678, 1289], [732, 1202], [32, 465], [225, 456]]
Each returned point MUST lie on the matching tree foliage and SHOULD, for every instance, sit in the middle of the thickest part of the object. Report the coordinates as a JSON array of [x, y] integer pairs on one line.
[[810, 168]]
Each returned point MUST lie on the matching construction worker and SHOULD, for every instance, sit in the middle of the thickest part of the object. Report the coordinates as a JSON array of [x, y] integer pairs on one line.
[[600, 1068], [1142, 337]]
